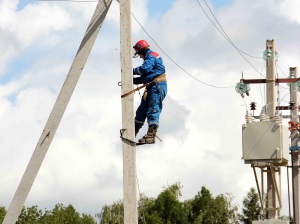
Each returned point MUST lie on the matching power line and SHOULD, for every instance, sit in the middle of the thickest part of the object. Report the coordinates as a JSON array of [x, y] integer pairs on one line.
[[156, 45], [226, 36], [221, 87]]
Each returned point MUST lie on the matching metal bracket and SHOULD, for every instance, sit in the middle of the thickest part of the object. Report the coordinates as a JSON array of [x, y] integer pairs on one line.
[[125, 140]]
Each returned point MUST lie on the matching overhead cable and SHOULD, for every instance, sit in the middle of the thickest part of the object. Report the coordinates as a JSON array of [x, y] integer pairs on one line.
[[156, 45], [226, 36], [223, 87]]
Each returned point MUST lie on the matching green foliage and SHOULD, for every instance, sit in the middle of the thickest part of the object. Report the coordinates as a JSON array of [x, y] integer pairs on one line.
[[285, 218], [2, 213], [251, 209], [220, 211], [30, 215], [88, 219], [113, 214], [62, 214], [147, 211], [59, 215], [175, 189], [167, 209], [199, 204]]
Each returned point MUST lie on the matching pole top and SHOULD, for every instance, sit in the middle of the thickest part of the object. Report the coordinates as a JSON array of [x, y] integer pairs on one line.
[[270, 44]]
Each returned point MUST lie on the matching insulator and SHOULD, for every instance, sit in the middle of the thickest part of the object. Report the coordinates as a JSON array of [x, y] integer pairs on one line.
[[263, 117], [242, 88], [253, 106], [249, 118], [278, 118], [297, 86], [291, 84], [268, 54], [292, 104]]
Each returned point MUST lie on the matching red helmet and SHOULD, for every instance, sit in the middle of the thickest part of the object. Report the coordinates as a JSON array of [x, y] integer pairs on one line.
[[141, 44]]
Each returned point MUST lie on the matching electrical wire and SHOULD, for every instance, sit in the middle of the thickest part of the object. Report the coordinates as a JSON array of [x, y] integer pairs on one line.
[[281, 69], [204, 83], [226, 36]]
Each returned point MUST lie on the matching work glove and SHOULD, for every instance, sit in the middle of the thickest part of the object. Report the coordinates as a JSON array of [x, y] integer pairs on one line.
[[134, 71], [137, 80]]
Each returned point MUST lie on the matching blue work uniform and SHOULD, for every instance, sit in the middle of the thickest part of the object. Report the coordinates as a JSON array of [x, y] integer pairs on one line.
[[151, 106]]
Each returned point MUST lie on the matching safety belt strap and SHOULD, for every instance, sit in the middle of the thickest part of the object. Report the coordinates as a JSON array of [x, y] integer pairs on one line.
[[161, 78]]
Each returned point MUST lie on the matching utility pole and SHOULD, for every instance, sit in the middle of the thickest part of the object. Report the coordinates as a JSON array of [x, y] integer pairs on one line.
[[270, 111], [128, 134], [57, 112], [266, 143], [295, 153]]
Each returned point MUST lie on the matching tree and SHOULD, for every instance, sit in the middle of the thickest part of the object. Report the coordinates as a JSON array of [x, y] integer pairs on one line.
[[30, 215], [220, 211], [168, 208], [87, 219], [60, 214], [251, 209], [113, 214], [147, 211], [2, 213], [199, 204]]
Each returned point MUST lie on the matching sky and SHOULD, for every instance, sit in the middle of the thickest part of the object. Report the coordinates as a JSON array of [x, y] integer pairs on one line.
[[201, 126]]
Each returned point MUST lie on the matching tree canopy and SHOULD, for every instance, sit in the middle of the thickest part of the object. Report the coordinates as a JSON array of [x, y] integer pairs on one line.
[[251, 210], [59, 215], [166, 208]]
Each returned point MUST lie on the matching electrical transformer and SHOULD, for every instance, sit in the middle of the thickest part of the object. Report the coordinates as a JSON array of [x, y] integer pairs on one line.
[[266, 141]]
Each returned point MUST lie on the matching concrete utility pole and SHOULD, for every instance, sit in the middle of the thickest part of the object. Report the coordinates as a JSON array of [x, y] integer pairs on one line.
[[57, 113], [129, 150], [295, 153], [270, 79]]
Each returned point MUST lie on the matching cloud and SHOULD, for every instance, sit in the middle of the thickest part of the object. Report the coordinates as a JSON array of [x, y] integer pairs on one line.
[[200, 124]]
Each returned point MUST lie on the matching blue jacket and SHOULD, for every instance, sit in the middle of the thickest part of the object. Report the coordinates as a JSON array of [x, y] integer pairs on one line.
[[151, 68]]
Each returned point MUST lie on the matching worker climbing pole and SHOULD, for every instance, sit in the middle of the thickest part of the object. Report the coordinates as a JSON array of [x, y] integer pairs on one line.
[[152, 75]]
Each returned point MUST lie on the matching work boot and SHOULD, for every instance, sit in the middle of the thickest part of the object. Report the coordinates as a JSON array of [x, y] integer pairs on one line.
[[149, 138]]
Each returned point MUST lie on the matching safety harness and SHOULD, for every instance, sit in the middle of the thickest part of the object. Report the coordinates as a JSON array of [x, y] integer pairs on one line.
[[161, 78]]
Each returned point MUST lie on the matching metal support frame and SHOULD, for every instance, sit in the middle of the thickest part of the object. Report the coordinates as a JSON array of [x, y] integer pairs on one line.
[[260, 81], [272, 170], [275, 183], [258, 189]]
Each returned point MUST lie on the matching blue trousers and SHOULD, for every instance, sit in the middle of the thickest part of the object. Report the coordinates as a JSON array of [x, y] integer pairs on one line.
[[151, 107]]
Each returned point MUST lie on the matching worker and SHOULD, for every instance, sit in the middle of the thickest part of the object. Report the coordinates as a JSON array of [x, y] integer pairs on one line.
[[152, 70]]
